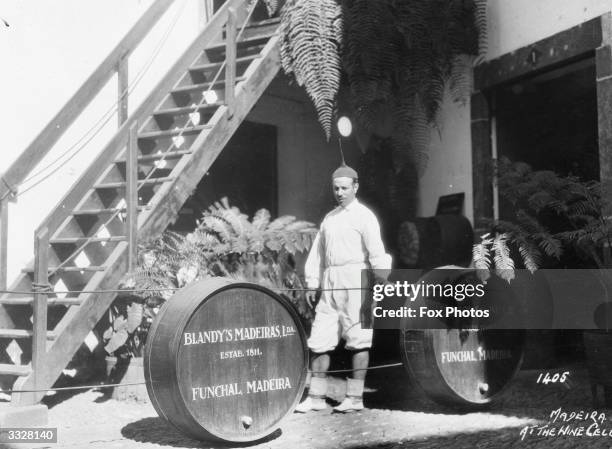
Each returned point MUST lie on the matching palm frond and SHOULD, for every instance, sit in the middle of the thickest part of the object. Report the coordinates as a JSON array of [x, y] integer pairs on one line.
[[480, 19], [481, 253], [311, 38], [551, 245], [501, 253], [261, 219], [531, 255], [271, 6], [504, 265]]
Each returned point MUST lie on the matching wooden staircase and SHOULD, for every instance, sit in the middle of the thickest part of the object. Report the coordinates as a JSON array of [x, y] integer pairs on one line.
[[136, 186]]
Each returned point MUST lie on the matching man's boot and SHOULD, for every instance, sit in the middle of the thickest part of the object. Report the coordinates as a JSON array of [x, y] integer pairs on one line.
[[316, 396], [353, 401]]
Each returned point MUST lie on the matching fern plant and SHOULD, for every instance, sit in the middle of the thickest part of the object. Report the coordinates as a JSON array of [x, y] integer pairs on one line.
[[553, 214], [398, 57], [227, 243], [420, 51], [311, 39]]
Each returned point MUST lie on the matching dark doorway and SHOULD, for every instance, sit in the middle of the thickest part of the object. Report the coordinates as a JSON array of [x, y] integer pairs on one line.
[[245, 172], [550, 121]]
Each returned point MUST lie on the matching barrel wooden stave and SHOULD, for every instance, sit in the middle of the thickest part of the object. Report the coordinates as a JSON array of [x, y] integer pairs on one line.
[[470, 383], [428, 242], [171, 368], [447, 379]]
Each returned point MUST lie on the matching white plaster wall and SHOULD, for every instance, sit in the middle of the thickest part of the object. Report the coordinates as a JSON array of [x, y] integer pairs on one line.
[[449, 169], [47, 52], [513, 24], [305, 159]]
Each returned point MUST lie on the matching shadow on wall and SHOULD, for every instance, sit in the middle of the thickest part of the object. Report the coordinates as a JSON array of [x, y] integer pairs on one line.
[[389, 187]]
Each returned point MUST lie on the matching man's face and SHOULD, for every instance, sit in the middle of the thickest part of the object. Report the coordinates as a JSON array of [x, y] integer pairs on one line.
[[345, 190]]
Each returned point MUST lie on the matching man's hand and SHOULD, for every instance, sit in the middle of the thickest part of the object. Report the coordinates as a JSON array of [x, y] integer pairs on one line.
[[311, 297]]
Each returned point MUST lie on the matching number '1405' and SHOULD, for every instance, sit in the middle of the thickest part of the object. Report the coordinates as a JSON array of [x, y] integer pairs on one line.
[[545, 378]]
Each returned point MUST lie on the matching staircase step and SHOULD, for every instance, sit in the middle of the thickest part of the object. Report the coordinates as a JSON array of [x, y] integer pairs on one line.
[[156, 156], [173, 132], [67, 269], [203, 86], [216, 65], [249, 41], [104, 211], [81, 240], [115, 185], [264, 22], [27, 300], [188, 109], [22, 333], [15, 370]]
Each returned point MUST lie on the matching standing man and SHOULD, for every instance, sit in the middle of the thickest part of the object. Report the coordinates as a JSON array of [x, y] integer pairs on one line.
[[347, 242]]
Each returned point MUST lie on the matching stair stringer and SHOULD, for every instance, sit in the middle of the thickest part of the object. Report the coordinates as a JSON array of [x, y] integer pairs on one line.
[[80, 320]]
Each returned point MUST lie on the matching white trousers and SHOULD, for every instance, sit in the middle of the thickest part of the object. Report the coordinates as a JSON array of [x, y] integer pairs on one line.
[[338, 312]]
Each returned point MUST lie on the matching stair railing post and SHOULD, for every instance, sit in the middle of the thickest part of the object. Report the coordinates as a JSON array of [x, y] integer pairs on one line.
[[131, 199], [39, 306], [122, 89], [3, 242], [230, 60]]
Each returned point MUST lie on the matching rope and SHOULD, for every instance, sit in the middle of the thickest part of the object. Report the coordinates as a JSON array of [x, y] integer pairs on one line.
[[41, 287], [79, 387], [389, 365], [87, 387], [137, 290]]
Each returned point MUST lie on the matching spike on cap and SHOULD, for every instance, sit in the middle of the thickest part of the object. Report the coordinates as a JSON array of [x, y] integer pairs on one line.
[[344, 171]]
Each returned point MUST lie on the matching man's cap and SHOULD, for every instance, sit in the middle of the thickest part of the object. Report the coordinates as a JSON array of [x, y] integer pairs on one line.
[[344, 171]]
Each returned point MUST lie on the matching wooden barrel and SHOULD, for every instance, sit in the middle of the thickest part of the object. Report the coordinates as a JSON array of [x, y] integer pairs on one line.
[[466, 367], [225, 360], [430, 242]]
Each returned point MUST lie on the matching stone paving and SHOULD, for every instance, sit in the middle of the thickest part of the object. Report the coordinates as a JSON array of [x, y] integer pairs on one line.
[[398, 416]]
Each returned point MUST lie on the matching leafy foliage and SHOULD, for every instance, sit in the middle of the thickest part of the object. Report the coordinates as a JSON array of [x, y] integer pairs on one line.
[[129, 319], [399, 57], [310, 49], [226, 243], [553, 214], [271, 6]]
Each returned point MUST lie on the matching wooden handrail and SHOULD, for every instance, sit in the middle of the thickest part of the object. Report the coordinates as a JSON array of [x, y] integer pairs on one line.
[[230, 60], [40, 146], [3, 242]]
